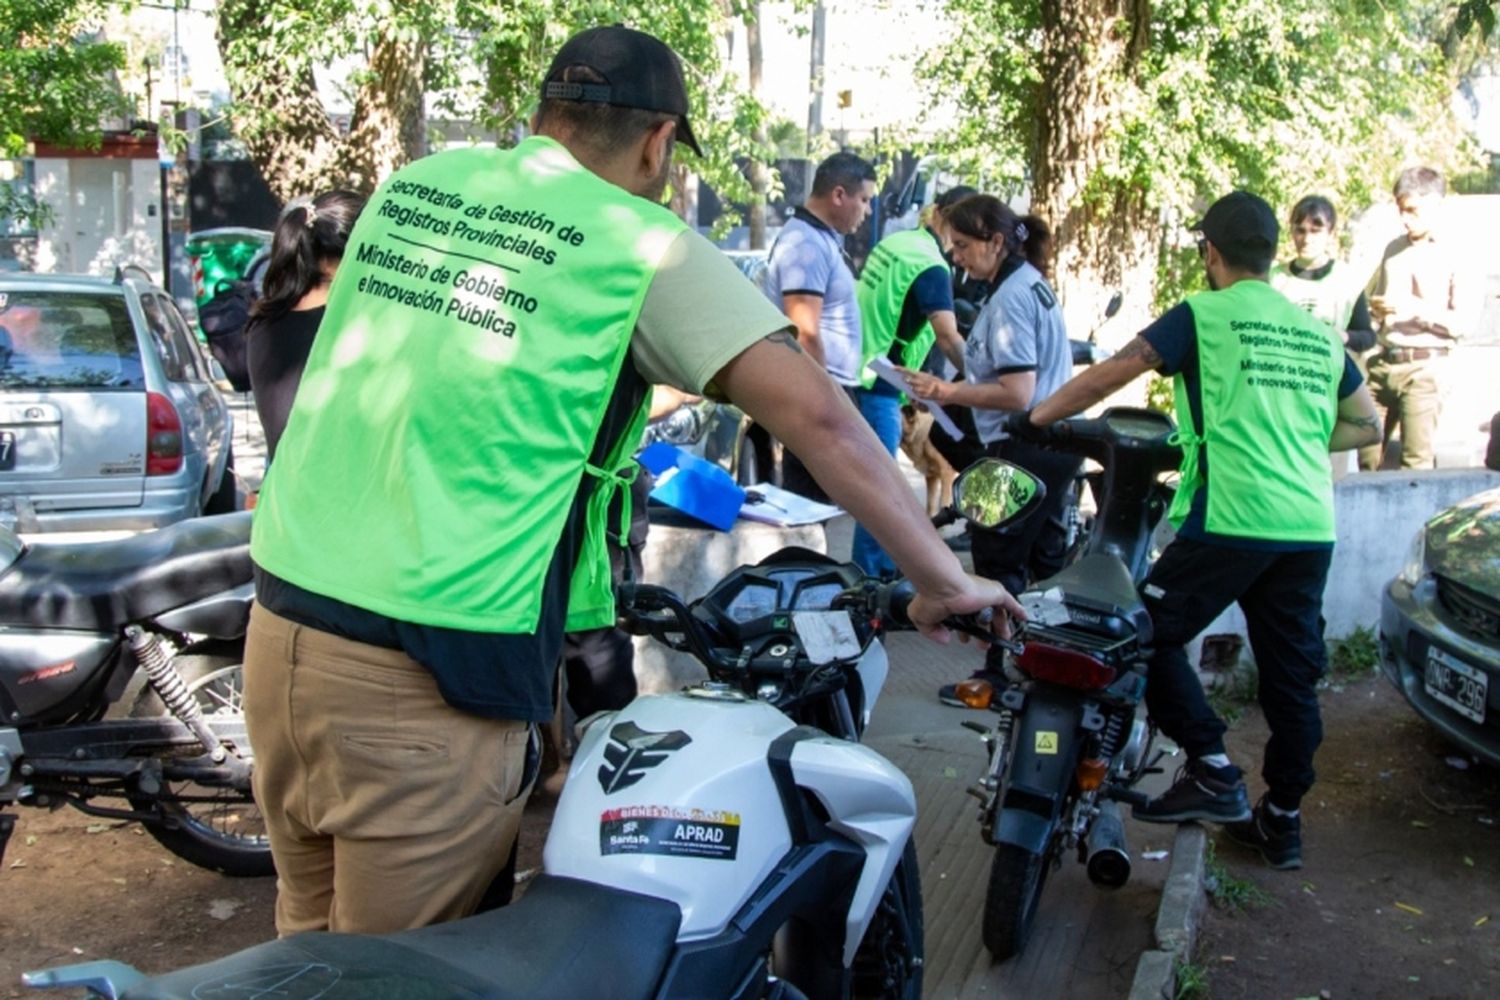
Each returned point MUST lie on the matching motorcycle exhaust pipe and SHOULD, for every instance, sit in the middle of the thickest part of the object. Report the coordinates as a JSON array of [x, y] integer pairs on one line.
[[1109, 858]]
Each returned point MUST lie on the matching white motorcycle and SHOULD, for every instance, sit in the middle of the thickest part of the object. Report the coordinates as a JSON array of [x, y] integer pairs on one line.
[[729, 840]]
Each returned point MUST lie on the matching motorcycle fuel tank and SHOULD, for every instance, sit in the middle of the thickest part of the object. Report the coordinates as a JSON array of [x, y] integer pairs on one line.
[[673, 797]]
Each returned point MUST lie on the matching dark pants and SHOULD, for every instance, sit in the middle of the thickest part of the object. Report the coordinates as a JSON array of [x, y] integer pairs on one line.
[[1281, 594]]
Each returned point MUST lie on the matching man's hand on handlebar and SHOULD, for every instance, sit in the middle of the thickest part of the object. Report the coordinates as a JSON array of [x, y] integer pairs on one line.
[[931, 615]]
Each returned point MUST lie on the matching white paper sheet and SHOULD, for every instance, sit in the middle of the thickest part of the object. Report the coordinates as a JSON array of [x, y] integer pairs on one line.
[[890, 373]]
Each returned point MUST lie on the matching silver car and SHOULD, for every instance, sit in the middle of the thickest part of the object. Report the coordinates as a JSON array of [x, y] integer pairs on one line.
[[1440, 625], [109, 415]]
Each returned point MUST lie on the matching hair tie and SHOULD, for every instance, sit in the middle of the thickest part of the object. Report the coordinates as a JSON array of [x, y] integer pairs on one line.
[[1022, 232], [312, 216]]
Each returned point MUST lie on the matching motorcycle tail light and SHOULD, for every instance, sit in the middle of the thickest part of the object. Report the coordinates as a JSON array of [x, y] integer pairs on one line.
[[1067, 667], [975, 692], [1091, 772]]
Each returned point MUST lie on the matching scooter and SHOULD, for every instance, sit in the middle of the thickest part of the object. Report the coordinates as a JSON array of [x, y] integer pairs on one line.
[[1067, 746], [120, 670], [733, 839]]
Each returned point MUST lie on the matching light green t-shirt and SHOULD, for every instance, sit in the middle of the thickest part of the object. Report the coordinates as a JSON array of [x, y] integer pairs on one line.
[[699, 313]]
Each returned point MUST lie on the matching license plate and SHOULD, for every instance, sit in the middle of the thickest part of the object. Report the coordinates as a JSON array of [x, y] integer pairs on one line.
[[1455, 684], [7, 450]]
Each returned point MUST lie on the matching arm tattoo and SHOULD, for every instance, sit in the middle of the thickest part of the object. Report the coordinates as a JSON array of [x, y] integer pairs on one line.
[[1370, 422], [1141, 348], [786, 338]]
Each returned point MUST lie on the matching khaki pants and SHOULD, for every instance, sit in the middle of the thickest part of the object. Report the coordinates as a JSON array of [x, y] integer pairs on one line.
[[386, 808], [1406, 396]]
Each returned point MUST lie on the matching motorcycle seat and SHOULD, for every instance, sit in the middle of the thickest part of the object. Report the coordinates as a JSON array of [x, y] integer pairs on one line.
[[101, 586], [1101, 583], [564, 938]]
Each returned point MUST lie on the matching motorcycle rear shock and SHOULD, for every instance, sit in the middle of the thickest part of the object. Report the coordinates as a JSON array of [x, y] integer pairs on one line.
[[171, 688]]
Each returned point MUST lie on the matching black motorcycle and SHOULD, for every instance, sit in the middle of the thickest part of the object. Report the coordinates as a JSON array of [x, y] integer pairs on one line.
[[120, 682], [1067, 746]]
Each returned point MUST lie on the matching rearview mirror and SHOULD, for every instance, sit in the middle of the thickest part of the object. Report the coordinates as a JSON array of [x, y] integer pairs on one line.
[[993, 494]]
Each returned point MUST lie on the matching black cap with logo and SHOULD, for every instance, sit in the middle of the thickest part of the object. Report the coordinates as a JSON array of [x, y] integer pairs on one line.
[[1241, 220], [639, 71]]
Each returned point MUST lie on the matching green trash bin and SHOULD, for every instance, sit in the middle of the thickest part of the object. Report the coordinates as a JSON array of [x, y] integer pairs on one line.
[[221, 257]]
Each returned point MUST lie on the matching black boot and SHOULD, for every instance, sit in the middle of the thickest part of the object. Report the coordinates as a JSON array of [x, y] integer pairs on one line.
[[1277, 838], [1215, 795]]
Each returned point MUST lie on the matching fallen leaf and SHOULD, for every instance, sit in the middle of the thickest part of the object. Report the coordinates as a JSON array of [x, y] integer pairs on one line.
[[1421, 824], [1481, 921], [96, 828], [31, 841], [118, 881], [1468, 861], [223, 909], [1309, 888], [1226, 958], [18, 863], [1413, 979], [1409, 908], [78, 951], [950, 772], [1458, 763]]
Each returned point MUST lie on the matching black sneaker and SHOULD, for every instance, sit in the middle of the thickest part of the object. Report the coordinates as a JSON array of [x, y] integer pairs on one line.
[[1198, 794], [1277, 838], [948, 693]]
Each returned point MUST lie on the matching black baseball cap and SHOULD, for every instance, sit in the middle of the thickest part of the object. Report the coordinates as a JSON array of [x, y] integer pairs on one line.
[[1242, 220], [639, 71]]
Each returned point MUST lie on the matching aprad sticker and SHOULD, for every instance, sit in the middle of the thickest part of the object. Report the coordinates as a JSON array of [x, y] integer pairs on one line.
[[667, 830]]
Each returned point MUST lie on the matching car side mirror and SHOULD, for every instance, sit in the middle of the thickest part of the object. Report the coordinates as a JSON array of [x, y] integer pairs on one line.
[[994, 494]]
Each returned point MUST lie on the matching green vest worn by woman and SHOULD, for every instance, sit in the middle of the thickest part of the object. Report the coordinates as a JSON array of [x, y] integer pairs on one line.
[[1330, 298], [1270, 375], [474, 335], [889, 272]]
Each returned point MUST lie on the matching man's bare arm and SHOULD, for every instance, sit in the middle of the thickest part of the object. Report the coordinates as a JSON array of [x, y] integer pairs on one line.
[[794, 399], [806, 314], [1357, 423], [949, 340], [1095, 383]]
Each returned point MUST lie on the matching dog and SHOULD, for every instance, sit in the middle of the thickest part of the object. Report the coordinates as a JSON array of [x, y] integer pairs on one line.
[[916, 430]]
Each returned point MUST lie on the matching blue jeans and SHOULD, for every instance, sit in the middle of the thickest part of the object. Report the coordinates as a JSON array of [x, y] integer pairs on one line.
[[882, 412]]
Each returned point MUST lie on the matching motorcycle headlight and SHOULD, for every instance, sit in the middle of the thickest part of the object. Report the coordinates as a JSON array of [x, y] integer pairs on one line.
[[683, 425], [1416, 559]]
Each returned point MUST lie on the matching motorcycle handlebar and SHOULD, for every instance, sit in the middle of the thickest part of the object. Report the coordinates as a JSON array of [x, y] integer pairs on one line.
[[896, 603]]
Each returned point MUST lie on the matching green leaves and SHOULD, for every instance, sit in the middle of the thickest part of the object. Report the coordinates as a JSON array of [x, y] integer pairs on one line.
[[56, 77]]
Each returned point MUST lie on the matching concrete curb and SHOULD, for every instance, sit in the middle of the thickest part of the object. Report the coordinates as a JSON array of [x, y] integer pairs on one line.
[[1183, 902]]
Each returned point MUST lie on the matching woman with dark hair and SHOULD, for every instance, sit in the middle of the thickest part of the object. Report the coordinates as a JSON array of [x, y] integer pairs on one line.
[[1016, 356], [305, 252], [1315, 280], [1037, 246]]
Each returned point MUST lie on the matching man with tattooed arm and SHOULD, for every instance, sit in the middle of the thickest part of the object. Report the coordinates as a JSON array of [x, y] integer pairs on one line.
[[1263, 393]]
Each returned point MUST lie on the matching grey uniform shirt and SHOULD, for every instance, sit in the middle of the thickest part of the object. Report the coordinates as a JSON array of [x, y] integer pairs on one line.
[[808, 259], [1019, 329]]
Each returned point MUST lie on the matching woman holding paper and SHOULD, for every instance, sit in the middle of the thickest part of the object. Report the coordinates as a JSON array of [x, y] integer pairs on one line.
[[1016, 356]]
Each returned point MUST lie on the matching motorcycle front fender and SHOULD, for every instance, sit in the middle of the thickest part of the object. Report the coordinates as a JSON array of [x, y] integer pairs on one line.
[[1039, 777]]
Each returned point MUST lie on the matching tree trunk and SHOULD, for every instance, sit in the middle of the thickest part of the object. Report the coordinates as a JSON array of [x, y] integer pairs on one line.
[[280, 118], [760, 180], [1105, 235], [389, 125]]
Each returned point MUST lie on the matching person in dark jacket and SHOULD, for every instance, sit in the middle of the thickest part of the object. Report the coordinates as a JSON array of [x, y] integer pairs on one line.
[[305, 252]]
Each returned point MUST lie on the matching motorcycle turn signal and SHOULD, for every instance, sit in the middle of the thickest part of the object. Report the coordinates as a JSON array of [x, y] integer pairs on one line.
[[975, 692]]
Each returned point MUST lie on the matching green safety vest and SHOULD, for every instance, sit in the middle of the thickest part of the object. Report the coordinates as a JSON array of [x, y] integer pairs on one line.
[[473, 338], [1269, 375], [1331, 299], [889, 272]]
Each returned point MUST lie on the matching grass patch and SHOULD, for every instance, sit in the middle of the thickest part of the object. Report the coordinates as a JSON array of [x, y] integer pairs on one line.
[[1235, 895], [1232, 691], [1192, 981], [1355, 656]]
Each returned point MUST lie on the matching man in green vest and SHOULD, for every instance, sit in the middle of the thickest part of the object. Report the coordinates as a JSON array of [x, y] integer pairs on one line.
[[436, 519], [905, 296], [1263, 392]]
